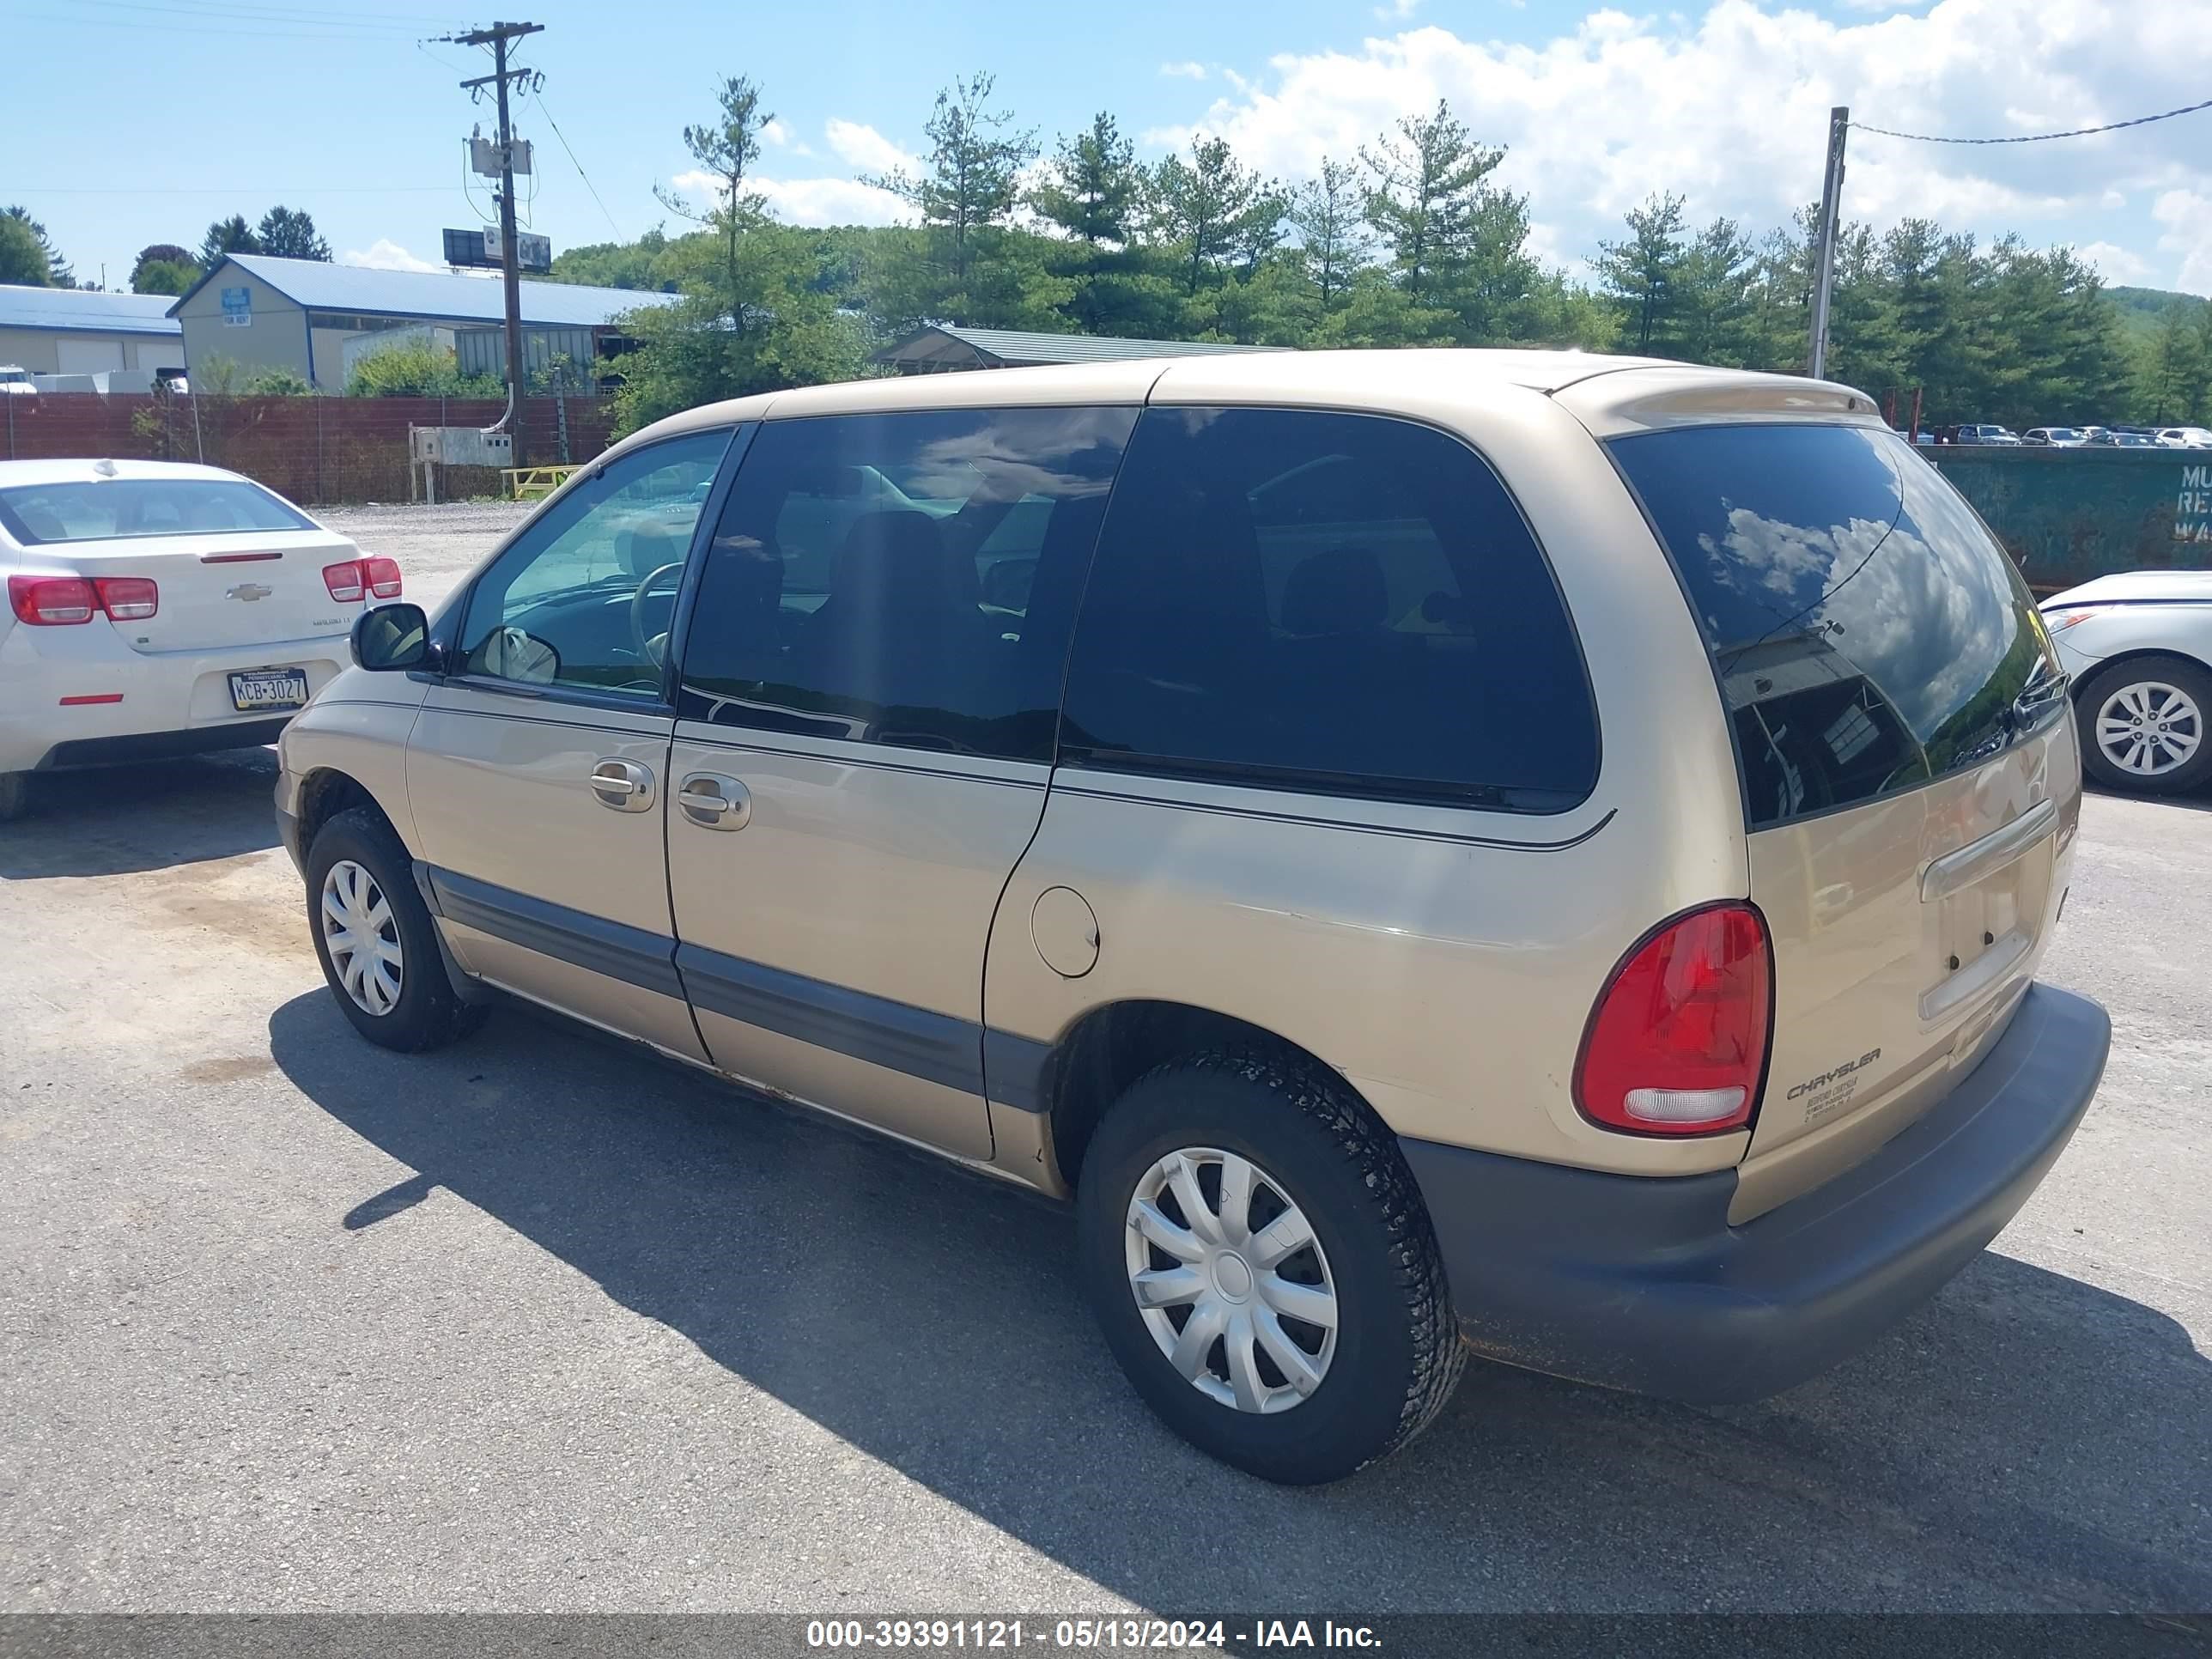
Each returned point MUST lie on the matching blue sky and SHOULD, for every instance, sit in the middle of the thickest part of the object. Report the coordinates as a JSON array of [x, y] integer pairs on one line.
[[148, 117]]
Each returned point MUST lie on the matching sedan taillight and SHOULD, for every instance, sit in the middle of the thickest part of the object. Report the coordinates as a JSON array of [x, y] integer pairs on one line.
[[52, 601], [128, 598], [374, 577]]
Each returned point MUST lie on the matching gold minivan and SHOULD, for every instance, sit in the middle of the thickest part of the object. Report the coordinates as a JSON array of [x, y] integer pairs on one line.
[[1522, 851]]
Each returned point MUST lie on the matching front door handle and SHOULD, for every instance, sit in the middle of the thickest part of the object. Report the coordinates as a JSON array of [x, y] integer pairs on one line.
[[623, 785], [715, 802]]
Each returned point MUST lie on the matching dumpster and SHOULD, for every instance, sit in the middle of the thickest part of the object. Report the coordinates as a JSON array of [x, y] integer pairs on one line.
[[2068, 514]]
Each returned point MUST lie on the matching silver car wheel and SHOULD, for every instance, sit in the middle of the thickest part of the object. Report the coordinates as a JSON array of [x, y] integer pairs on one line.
[[2149, 728], [1230, 1280], [363, 937]]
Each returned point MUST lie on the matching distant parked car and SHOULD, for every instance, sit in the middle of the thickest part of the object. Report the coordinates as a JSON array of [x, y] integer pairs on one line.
[[15, 380], [1984, 434], [2053, 437], [2183, 437], [157, 608], [2121, 438], [2139, 646]]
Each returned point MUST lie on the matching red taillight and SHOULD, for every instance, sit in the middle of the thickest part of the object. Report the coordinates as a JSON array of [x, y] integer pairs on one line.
[[52, 601], [1677, 1043], [379, 578], [128, 598]]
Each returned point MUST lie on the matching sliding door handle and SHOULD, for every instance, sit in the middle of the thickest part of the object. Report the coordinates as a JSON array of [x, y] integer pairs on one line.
[[715, 802]]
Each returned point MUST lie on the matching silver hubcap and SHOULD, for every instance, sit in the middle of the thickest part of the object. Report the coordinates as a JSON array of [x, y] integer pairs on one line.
[[1231, 1280], [2149, 728], [362, 938]]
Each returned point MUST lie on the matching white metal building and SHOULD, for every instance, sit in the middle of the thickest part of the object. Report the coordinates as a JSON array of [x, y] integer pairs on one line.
[[68, 331]]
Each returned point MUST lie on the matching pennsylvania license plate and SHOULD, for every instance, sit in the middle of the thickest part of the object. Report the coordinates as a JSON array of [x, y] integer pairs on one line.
[[265, 688]]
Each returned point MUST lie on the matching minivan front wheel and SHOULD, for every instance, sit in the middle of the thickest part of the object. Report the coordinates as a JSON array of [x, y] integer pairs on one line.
[[375, 940], [2145, 725], [1263, 1268]]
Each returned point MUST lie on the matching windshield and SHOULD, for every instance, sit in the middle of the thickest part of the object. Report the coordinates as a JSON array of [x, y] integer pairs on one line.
[[127, 508], [1870, 634]]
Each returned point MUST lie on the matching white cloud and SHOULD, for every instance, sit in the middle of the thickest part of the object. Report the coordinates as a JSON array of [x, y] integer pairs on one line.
[[1729, 106], [2185, 218], [1187, 69], [1883, 5], [1397, 11], [860, 146], [832, 202], [2114, 262], [385, 254], [780, 137]]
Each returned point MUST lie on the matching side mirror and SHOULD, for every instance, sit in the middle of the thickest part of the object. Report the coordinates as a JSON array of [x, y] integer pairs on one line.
[[391, 638]]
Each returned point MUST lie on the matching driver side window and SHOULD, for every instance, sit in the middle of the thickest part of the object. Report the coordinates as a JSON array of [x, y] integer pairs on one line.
[[583, 597]]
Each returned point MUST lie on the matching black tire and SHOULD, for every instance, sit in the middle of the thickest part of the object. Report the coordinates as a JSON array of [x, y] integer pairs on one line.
[[15, 795], [2189, 678], [429, 1012], [1398, 1353]]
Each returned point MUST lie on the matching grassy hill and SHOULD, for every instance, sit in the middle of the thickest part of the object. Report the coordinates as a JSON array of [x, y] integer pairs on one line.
[[2143, 309]]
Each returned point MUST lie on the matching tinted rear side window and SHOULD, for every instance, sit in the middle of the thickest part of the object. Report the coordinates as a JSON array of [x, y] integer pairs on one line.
[[906, 578], [1328, 602], [1870, 634]]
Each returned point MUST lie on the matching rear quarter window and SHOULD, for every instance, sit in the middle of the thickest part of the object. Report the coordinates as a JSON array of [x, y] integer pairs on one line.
[[1335, 603], [1870, 634]]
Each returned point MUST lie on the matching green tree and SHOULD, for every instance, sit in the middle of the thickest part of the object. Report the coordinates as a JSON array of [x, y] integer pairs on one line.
[[727, 147], [287, 235], [59, 274], [1643, 272], [164, 276], [639, 265], [973, 182], [231, 235], [1425, 188], [22, 261], [413, 369], [1329, 211], [162, 253], [1211, 211], [277, 382], [2173, 380], [1714, 289], [1091, 191]]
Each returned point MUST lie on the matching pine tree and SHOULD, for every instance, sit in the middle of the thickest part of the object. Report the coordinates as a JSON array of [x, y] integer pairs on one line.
[[290, 235], [59, 274], [1643, 272], [1204, 210], [1426, 187], [976, 159], [1327, 212], [1092, 191], [231, 235]]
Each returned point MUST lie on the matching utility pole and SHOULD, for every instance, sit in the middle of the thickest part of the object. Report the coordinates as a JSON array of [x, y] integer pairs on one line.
[[1831, 208], [498, 37]]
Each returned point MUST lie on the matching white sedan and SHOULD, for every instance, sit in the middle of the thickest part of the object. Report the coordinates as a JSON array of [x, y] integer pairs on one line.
[[155, 609], [2139, 646]]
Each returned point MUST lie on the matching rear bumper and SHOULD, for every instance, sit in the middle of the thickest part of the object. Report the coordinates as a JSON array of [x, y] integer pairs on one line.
[[1639, 1282], [145, 704]]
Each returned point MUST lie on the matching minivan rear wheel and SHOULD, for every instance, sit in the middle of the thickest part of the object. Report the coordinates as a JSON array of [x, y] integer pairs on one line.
[[1262, 1264], [2143, 726]]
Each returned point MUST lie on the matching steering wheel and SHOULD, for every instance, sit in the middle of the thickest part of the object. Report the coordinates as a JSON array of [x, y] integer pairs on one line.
[[650, 646]]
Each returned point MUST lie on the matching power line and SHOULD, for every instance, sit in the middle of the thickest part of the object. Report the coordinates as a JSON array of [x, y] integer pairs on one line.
[[2038, 138], [574, 163]]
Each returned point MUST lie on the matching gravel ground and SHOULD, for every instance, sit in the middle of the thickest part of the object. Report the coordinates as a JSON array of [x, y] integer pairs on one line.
[[290, 1322]]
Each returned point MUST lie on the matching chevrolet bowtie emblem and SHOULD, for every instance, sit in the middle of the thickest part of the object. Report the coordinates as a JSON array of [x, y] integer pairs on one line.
[[249, 591]]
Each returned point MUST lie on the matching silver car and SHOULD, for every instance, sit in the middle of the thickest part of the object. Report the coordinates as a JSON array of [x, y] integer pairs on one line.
[[1521, 852]]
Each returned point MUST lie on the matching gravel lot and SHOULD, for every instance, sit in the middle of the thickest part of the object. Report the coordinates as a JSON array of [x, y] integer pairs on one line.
[[287, 1321]]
